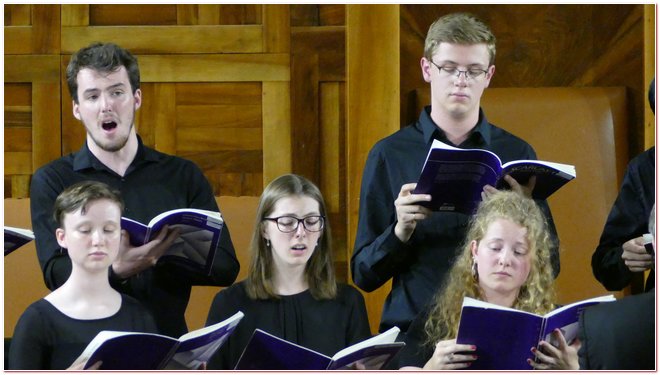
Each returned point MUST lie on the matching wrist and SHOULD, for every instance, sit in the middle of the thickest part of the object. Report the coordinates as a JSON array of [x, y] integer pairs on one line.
[[116, 274], [403, 234]]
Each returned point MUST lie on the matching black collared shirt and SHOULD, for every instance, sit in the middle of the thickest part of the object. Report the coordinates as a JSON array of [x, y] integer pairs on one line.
[[628, 219], [153, 183], [417, 267]]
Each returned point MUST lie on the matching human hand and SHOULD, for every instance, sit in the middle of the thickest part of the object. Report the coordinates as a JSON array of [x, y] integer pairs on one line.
[[635, 256], [562, 357], [135, 259], [446, 357], [408, 212]]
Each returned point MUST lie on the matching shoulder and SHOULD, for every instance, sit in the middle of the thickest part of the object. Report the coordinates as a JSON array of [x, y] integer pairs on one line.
[[131, 303], [644, 160], [398, 140], [171, 160], [37, 313], [347, 292], [507, 143], [232, 294], [631, 305], [54, 168]]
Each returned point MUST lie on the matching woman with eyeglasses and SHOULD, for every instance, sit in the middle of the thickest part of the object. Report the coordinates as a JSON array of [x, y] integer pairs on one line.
[[290, 290]]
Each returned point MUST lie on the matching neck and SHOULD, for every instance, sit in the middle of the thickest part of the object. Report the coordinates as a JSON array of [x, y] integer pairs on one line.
[[456, 127], [89, 286], [505, 300], [290, 280], [119, 160]]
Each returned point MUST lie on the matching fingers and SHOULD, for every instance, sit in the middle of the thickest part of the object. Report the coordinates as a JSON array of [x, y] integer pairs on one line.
[[406, 197], [450, 356], [634, 249], [96, 365], [487, 192], [561, 340], [408, 211], [542, 360], [526, 189]]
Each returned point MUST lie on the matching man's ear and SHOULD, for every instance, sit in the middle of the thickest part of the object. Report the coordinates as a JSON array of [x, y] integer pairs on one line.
[[76, 110], [138, 98], [489, 75], [425, 64], [61, 238]]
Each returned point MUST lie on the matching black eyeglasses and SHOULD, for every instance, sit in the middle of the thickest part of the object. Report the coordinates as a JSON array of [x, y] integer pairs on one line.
[[288, 224], [471, 73]]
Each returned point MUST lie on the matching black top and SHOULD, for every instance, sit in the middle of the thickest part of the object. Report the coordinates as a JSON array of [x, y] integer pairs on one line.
[[417, 267], [628, 219], [416, 352], [46, 339], [326, 326], [619, 335], [153, 183]]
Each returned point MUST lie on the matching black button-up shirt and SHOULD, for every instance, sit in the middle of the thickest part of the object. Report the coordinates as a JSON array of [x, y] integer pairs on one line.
[[417, 267], [628, 219], [154, 182]]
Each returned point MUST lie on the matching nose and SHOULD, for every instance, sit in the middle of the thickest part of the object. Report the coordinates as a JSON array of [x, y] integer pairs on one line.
[[300, 231], [97, 237], [462, 78], [505, 257], [106, 102]]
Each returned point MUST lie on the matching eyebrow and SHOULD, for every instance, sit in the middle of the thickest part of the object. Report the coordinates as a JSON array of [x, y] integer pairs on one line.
[[479, 65], [94, 89], [305, 215]]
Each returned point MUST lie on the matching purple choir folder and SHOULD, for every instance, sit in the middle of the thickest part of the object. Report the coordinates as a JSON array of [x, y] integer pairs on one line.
[[268, 352], [455, 177], [504, 336]]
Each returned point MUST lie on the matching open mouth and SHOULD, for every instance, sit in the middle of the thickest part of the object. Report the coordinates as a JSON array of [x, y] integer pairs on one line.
[[109, 125], [299, 248]]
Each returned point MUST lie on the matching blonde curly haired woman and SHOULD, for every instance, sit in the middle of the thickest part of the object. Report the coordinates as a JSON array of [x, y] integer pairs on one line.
[[504, 261]]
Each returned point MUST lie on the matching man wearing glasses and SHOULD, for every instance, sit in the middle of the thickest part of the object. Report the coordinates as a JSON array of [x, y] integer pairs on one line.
[[396, 237]]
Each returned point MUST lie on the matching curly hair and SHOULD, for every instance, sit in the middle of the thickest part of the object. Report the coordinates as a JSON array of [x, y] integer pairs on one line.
[[536, 295]]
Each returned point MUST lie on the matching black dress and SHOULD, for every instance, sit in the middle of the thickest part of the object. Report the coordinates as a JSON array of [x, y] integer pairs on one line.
[[325, 326], [47, 339]]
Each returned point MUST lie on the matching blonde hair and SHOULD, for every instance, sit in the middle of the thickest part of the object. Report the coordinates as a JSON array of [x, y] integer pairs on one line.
[[536, 295], [319, 270], [459, 28]]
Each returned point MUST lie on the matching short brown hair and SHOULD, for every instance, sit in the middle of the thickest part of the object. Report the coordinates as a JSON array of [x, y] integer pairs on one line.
[[459, 28], [104, 58], [79, 195]]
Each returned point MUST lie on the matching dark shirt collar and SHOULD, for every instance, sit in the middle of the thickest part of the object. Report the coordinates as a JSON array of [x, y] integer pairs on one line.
[[480, 135], [84, 159]]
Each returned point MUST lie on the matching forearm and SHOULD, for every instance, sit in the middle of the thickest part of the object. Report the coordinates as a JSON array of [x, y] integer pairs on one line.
[[225, 266], [57, 271], [609, 268], [373, 264]]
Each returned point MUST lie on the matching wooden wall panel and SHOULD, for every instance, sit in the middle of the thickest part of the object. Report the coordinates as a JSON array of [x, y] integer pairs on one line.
[[32, 100], [372, 105], [649, 70], [36, 31], [132, 14], [546, 45]]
